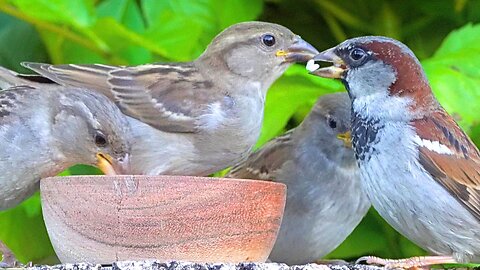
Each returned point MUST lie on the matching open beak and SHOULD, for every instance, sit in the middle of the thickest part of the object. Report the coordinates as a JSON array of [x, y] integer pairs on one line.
[[111, 166], [336, 71], [299, 51], [346, 138]]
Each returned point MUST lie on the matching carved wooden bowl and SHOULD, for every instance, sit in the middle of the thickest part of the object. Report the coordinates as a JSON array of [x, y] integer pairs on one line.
[[102, 219]]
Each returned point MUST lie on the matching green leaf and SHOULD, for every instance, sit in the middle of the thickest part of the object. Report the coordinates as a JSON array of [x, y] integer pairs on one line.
[[127, 45], [233, 11], [81, 169], [178, 35], [76, 13], [186, 27], [125, 12], [23, 231], [198, 11], [460, 40], [179, 25], [20, 42], [455, 77], [63, 51]]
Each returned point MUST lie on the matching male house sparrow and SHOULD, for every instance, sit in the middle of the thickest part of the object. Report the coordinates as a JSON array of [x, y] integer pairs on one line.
[[419, 169], [198, 117], [43, 131], [324, 197]]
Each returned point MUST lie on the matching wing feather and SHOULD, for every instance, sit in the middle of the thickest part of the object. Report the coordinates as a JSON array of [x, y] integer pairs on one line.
[[265, 162], [169, 97], [459, 169]]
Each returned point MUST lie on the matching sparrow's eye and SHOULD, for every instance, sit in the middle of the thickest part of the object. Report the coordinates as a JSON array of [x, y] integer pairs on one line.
[[357, 54], [331, 122], [100, 139], [268, 40]]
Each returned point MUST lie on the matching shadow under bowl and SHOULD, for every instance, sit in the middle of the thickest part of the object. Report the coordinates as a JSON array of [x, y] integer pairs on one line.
[[102, 219]]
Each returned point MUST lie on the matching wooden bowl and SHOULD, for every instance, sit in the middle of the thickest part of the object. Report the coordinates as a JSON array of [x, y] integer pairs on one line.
[[102, 219]]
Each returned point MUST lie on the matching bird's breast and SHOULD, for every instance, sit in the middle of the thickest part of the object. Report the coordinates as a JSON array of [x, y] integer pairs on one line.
[[364, 135]]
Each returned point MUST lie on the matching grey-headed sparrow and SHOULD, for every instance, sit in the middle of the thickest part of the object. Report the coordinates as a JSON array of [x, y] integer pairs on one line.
[[316, 162], [45, 130]]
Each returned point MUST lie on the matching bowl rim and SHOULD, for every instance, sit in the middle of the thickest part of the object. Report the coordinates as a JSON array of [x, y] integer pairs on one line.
[[167, 177]]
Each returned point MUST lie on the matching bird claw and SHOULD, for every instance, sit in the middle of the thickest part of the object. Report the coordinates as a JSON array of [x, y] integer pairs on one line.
[[407, 263]]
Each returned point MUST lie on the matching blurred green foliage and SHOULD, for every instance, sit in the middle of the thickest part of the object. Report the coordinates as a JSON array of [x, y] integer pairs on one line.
[[442, 33]]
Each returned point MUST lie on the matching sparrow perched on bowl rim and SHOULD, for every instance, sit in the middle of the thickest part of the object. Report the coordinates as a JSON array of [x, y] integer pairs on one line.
[[44, 131], [316, 162], [198, 117], [419, 169]]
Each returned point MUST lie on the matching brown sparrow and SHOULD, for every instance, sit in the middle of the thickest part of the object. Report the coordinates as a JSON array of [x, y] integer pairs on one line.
[[419, 169], [198, 117]]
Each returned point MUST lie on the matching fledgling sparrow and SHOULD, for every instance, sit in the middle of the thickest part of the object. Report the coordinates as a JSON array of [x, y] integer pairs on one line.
[[198, 117], [43, 131], [419, 169], [316, 162]]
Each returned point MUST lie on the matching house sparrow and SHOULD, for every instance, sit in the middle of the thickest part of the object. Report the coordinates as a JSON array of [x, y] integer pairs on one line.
[[43, 131], [419, 169], [324, 198], [198, 117]]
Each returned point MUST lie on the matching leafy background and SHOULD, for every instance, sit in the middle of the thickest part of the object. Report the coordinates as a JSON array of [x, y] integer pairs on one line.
[[443, 34]]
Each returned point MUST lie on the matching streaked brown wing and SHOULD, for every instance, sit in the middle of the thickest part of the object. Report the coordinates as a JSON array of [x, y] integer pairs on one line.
[[265, 162], [169, 97], [84, 76], [458, 172]]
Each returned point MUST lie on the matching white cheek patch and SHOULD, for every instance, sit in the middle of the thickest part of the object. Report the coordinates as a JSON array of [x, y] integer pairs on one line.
[[311, 66], [434, 146]]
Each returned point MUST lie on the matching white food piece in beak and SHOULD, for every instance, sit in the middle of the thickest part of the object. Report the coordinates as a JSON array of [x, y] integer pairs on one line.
[[311, 66]]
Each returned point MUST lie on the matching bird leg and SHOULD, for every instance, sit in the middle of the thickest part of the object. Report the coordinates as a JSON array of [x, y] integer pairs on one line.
[[408, 263], [9, 259]]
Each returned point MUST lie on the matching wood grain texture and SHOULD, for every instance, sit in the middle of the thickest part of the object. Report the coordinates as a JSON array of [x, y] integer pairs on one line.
[[101, 219]]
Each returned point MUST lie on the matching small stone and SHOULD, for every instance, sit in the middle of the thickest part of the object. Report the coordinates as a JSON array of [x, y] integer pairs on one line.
[[181, 265]]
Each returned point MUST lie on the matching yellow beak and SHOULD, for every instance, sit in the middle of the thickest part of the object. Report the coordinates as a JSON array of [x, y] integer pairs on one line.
[[281, 53], [298, 51], [105, 164], [336, 71], [346, 138]]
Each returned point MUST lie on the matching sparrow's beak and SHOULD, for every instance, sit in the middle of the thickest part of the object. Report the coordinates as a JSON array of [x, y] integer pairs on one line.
[[299, 51], [111, 166], [336, 71], [346, 138]]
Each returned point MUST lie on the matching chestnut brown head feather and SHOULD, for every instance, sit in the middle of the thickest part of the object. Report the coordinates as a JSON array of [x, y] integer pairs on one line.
[[410, 76], [359, 55]]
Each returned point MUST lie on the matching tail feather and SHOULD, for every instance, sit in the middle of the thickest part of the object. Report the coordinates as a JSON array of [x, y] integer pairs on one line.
[[84, 76], [10, 78]]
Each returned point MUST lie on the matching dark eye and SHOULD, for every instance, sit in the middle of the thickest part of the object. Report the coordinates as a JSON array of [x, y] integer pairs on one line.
[[100, 139], [331, 122], [357, 54], [268, 40]]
